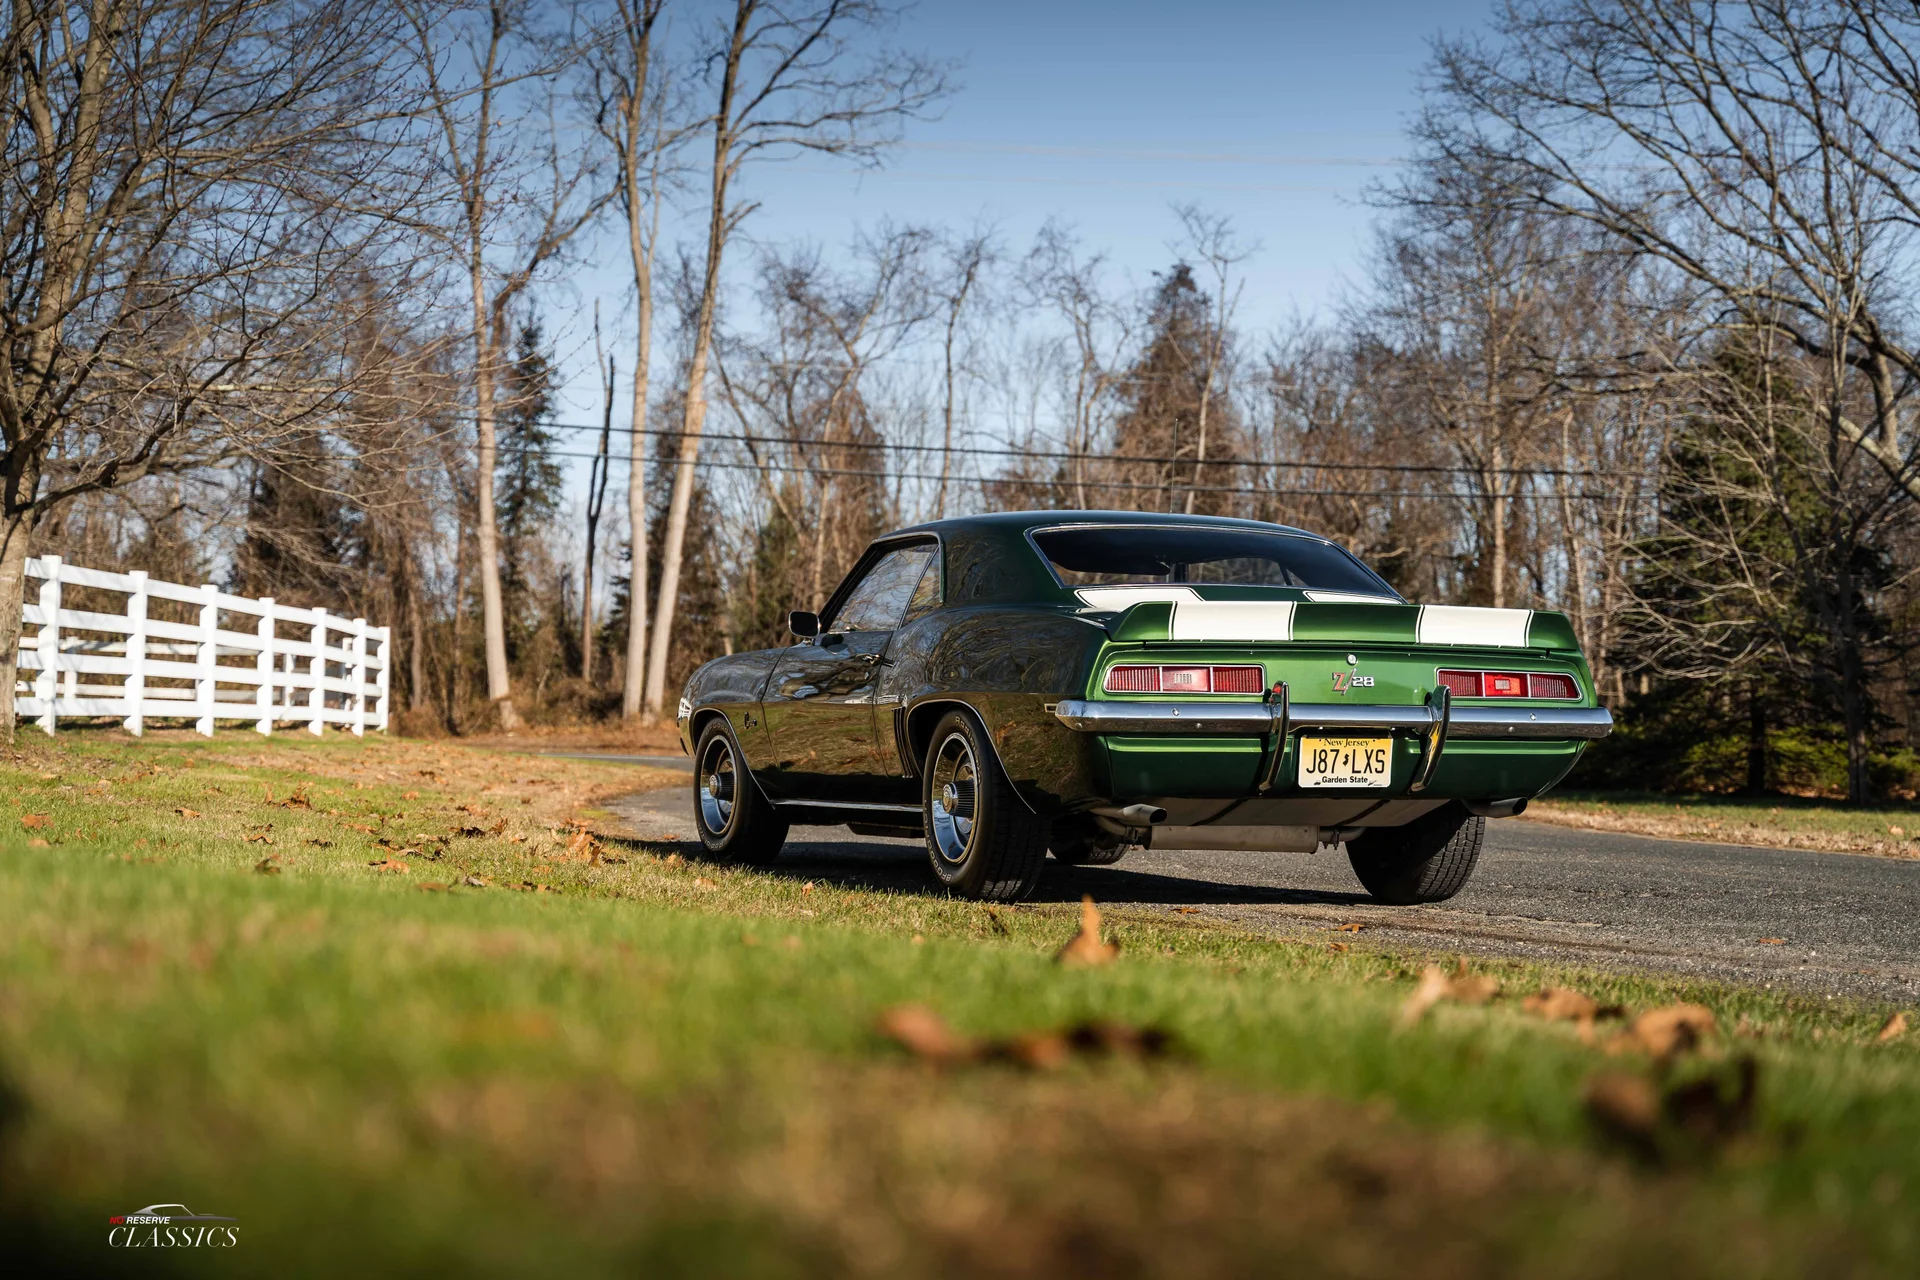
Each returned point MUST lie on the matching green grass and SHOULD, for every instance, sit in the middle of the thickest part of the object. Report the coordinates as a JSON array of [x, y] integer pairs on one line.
[[664, 1067], [1890, 830]]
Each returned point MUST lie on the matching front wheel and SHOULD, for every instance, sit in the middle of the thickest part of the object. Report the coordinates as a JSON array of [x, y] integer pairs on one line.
[[1428, 860], [734, 820], [981, 840]]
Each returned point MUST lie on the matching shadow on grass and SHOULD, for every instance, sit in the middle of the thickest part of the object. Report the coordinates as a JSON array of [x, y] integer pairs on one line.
[[900, 867]]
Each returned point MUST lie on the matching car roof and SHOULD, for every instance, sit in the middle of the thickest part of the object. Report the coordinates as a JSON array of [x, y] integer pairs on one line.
[[1021, 521]]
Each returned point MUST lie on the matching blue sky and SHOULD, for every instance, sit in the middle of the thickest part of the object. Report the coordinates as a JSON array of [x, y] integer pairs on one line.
[[1102, 115]]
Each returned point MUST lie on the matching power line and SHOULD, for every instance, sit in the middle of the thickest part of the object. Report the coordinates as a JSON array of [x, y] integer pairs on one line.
[[1055, 483]]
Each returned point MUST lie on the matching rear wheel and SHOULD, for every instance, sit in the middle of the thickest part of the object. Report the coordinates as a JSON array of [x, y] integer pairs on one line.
[[735, 821], [982, 841], [1428, 860]]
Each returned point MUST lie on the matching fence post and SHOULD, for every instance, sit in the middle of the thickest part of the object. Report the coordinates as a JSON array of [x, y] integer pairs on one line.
[[317, 698], [46, 686], [385, 678], [263, 667], [359, 677], [136, 686], [208, 656]]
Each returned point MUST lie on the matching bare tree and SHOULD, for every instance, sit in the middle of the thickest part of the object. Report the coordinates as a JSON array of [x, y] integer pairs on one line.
[[790, 78], [968, 258], [1211, 239], [1069, 283], [597, 472], [489, 73], [184, 191], [636, 114]]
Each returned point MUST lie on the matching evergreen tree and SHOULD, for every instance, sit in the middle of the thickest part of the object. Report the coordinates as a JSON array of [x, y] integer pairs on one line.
[[528, 481], [1181, 365]]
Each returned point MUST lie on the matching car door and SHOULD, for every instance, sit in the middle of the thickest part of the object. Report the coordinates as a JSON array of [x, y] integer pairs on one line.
[[820, 696]]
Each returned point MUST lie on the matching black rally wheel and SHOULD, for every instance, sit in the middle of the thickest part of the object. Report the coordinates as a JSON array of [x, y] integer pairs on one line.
[[982, 841], [735, 821], [1428, 860]]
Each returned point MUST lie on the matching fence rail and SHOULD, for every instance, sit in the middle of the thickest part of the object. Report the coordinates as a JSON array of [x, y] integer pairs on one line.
[[84, 663]]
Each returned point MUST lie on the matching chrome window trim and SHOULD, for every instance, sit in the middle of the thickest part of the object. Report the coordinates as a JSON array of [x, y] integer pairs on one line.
[[1275, 531]]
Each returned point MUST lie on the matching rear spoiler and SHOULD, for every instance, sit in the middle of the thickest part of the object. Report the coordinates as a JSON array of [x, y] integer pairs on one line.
[[1310, 622]]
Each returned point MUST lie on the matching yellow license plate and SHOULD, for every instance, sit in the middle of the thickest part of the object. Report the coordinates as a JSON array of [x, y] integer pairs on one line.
[[1346, 762]]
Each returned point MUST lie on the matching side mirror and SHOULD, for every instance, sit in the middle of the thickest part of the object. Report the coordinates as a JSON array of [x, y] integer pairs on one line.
[[803, 624]]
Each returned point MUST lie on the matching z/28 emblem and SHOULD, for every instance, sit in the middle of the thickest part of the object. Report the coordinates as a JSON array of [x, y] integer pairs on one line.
[[1345, 680]]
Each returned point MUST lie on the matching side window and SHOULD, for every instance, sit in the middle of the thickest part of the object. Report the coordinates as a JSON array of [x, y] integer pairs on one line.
[[926, 596], [879, 599]]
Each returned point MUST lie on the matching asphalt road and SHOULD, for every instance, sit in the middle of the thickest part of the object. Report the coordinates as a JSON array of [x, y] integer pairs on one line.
[[1848, 925]]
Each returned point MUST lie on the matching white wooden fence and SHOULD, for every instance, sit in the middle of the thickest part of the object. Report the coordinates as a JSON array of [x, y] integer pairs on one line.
[[86, 663]]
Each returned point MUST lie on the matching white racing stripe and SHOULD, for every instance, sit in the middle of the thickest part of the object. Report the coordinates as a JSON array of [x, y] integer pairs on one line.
[[1233, 620], [1117, 598], [1461, 624]]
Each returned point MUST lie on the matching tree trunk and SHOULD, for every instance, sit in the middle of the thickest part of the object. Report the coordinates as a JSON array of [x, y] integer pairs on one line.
[[1756, 740], [417, 653], [1853, 703], [14, 528], [493, 616], [633, 688], [718, 225]]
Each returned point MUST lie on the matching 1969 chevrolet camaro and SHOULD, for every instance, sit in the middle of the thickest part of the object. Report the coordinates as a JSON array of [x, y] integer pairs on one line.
[[1089, 682]]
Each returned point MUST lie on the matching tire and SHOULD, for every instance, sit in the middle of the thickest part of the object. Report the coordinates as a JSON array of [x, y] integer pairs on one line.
[[1081, 844], [735, 821], [1428, 860], [982, 841]]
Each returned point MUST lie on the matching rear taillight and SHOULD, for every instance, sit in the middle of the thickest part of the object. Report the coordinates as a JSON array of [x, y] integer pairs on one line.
[[1506, 684], [1554, 687], [1145, 679], [1186, 680], [1239, 680], [1503, 684]]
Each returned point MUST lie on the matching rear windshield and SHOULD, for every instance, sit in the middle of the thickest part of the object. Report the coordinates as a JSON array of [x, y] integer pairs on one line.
[[1104, 555]]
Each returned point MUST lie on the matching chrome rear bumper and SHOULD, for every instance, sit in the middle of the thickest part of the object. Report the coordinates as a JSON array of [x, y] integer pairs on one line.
[[1252, 719]]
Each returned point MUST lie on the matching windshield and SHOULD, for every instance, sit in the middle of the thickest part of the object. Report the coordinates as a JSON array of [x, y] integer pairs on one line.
[[1107, 555]]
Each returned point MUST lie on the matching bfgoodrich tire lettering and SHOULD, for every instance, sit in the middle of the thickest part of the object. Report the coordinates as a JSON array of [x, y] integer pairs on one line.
[[1428, 860], [982, 842], [734, 820]]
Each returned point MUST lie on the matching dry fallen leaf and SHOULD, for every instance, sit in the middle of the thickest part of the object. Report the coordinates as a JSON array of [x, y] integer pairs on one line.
[[38, 843], [808, 888], [433, 886], [1437, 985], [1690, 1118], [1187, 911], [1895, 1027], [269, 865], [318, 843], [1338, 946], [259, 837], [1667, 1031], [389, 864], [1084, 948], [188, 813], [34, 819], [1559, 1004], [1350, 927], [476, 882], [411, 795], [924, 1034], [1773, 942], [701, 882]]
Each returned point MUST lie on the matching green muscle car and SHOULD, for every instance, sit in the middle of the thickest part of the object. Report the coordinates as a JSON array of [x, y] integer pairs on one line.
[[1089, 682]]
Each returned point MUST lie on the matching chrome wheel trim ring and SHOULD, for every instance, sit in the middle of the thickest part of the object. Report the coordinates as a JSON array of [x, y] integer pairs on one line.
[[954, 793], [717, 784]]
